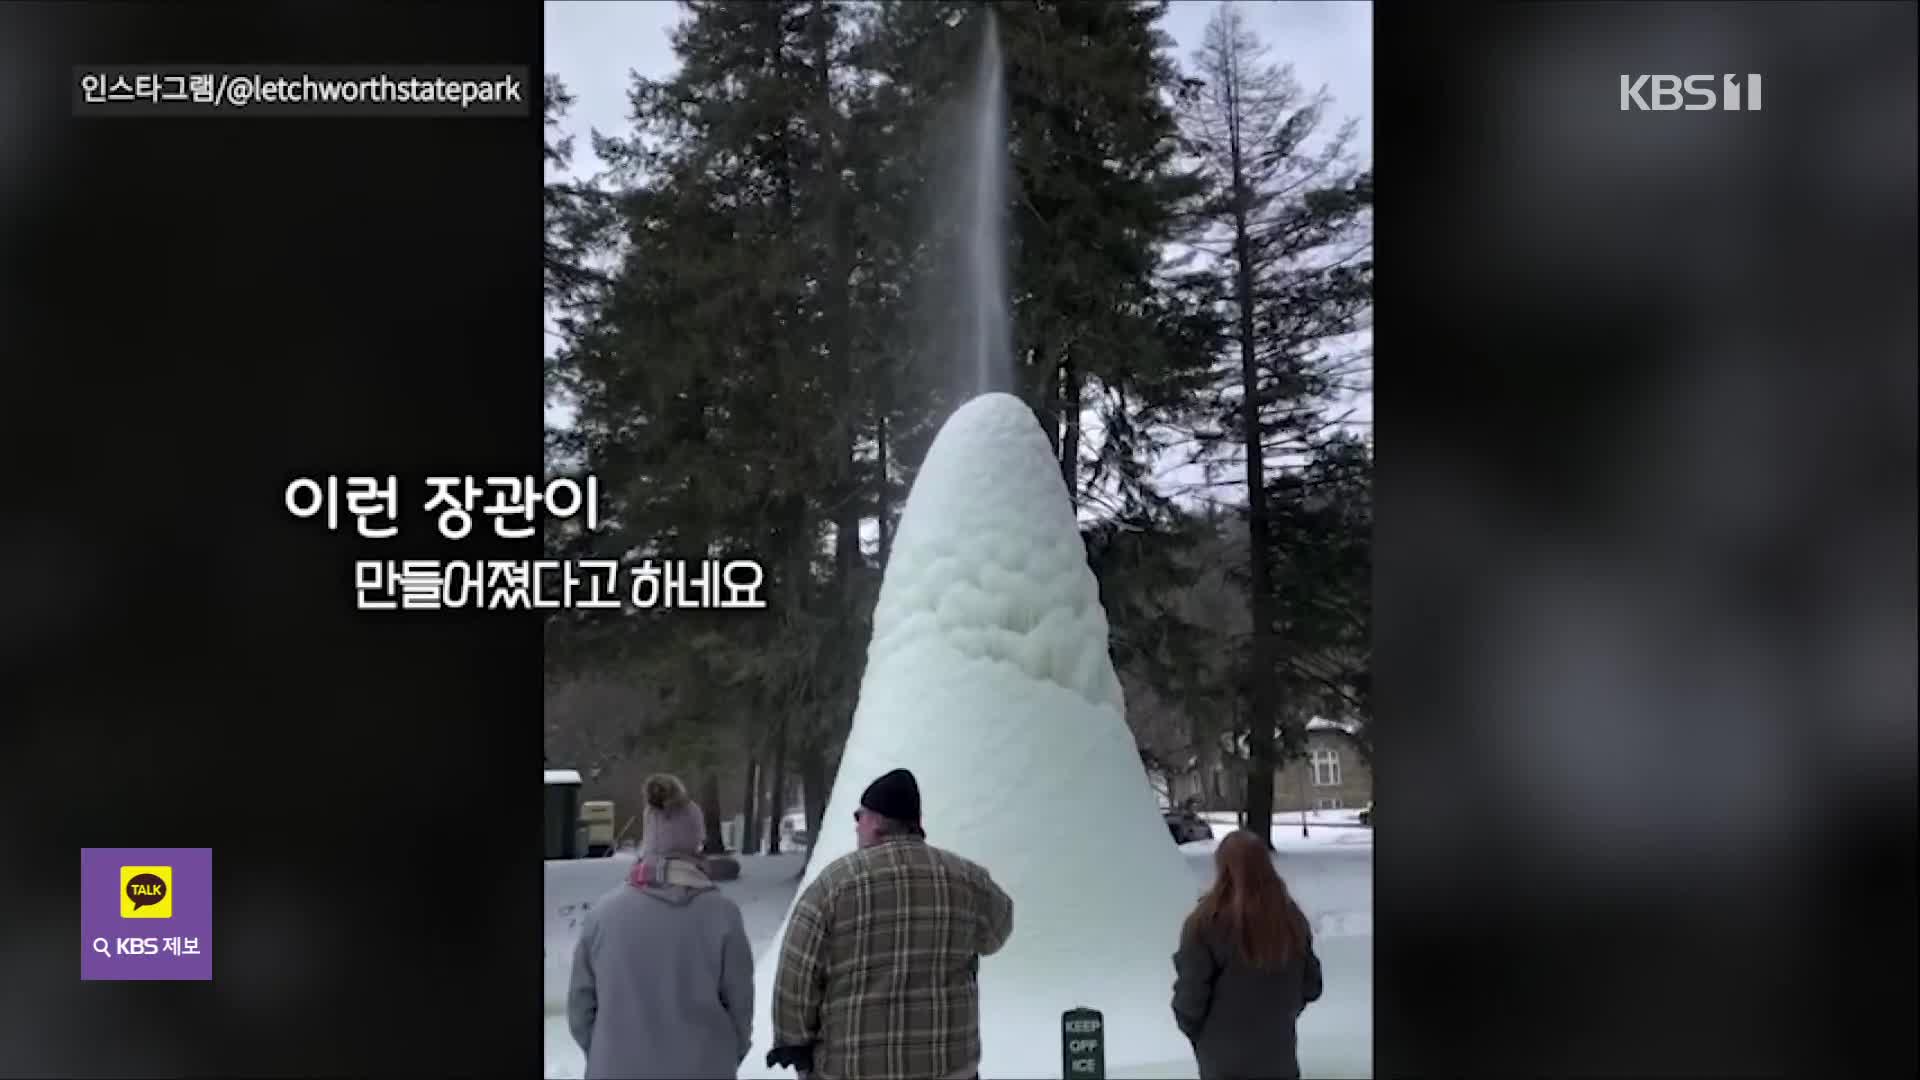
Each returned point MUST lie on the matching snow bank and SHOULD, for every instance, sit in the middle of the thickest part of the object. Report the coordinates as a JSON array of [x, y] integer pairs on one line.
[[1333, 884], [989, 676], [1339, 828], [572, 885]]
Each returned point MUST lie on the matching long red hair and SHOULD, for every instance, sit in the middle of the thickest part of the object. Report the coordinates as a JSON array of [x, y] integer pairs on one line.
[[1249, 904]]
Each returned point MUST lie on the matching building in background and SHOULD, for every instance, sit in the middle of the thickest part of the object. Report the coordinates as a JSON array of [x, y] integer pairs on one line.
[[1331, 775]]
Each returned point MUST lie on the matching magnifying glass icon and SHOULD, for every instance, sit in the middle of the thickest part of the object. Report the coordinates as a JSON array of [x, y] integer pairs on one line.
[[100, 946]]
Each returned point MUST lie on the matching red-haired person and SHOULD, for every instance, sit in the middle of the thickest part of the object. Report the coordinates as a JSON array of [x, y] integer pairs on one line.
[[1245, 969]]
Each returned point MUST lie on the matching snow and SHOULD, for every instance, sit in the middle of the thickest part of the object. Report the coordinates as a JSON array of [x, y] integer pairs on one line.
[[1323, 827], [1333, 883], [989, 676], [572, 885], [1237, 744], [763, 891], [563, 776]]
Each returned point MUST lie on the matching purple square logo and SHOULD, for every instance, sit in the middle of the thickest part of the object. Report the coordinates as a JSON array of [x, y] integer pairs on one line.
[[146, 913]]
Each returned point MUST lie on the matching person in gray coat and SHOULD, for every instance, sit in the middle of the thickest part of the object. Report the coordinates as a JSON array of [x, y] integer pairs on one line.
[[663, 975], [1245, 969]]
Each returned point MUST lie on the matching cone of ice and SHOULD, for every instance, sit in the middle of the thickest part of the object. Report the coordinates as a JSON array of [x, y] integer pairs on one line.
[[989, 677]]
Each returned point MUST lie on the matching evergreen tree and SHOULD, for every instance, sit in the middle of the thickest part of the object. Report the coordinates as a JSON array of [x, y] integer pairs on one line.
[[1286, 224], [1322, 541], [720, 381], [751, 375]]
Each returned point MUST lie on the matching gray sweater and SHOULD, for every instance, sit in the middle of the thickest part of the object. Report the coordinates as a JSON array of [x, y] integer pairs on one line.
[[662, 983], [1241, 1019]]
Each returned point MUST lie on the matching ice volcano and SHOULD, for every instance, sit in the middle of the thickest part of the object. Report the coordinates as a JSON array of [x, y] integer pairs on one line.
[[989, 676]]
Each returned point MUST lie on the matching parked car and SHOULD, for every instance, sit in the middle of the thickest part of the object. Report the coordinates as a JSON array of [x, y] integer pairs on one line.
[[1186, 826]]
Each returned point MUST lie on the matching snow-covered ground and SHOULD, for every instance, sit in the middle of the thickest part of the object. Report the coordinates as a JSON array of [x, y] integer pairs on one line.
[[989, 676], [1323, 827], [1331, 878]]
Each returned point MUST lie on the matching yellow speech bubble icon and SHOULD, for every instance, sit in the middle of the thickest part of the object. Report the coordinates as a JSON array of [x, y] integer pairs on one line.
[[146, 892]]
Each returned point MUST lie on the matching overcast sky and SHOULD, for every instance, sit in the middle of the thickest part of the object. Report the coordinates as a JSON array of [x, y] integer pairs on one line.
[[597, 47]]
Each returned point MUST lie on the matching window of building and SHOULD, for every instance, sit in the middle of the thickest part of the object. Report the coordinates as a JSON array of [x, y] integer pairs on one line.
[[1328, 804], [1326, 768]]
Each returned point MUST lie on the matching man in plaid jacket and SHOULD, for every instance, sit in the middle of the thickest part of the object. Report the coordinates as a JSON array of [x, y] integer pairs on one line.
[[879, 973]]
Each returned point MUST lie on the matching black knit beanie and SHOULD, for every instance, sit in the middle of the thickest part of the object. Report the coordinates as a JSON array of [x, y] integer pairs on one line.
[[895, 795]]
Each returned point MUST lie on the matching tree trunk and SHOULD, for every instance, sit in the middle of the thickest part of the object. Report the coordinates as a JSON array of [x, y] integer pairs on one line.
[[837, 307], [1261, 708], [812, 766], [1046, 394], [750, 807], [882, 496], [797, 541], [848, 558], [716, 844], [777, 798], [1070, 379]]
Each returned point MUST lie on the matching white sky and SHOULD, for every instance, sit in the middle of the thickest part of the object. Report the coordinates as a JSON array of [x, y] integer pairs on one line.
[[596, 48]]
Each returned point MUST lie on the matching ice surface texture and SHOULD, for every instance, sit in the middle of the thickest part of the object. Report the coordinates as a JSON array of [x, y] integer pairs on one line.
[[989, 677]]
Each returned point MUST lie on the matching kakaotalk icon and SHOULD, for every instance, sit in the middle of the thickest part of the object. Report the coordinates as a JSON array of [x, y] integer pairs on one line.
[[169, 891]]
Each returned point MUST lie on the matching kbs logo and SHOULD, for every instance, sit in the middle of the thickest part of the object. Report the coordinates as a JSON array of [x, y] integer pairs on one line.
[[1694, 93]]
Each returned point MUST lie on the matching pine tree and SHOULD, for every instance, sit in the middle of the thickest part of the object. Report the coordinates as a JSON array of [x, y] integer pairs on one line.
[[723, 382], [1093, 141], [1286, 223], [748, 364], [659, 371], [1323, 541]]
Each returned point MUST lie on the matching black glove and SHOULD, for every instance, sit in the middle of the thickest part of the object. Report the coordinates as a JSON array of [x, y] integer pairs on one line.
[[797, 1058]]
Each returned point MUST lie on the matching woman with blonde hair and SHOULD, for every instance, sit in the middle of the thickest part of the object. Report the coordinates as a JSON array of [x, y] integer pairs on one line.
[[1245, 969]]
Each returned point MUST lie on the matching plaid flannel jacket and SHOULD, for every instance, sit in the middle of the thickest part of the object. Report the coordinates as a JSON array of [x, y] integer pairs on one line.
[[880, 965]]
